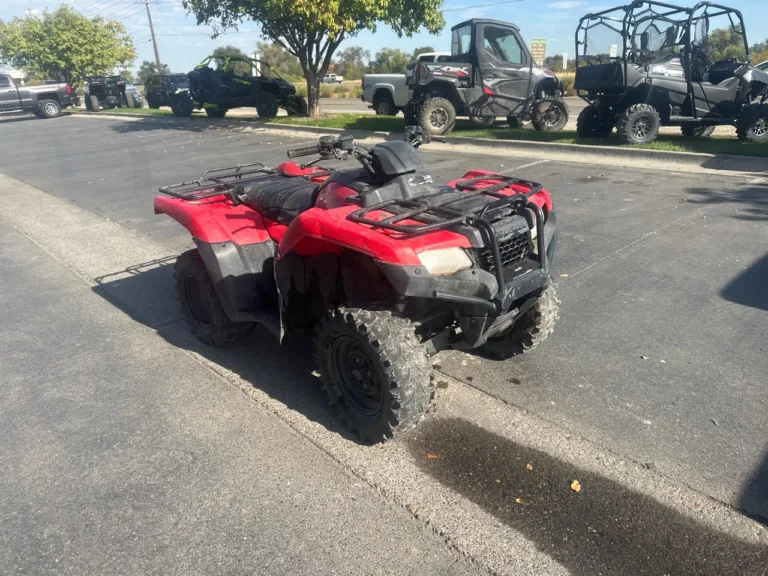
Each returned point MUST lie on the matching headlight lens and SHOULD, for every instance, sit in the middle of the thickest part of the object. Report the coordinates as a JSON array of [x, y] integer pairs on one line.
[[445, 261]]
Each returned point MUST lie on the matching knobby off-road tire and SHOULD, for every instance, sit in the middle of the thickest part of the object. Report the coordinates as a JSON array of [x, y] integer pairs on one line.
[[638, 124], [94, 103], [697, 130], [299, 107], [181, 106], [752, 125], [267, 106], [589, 125], [437, 116], [529, 331], [484, 121], [201, 306], [550, 116], [374, 371], [88, 105]]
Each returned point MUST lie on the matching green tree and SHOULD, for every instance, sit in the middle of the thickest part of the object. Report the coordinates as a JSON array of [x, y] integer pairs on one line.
[[389, 61], [286, 64], [149, 68], [351, 62], [128, 75], [726, 43], [422, 50], [312, 31], [64, 45], [228, 51]]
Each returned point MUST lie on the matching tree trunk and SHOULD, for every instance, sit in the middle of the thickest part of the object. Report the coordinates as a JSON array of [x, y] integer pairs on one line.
[[313, 93]]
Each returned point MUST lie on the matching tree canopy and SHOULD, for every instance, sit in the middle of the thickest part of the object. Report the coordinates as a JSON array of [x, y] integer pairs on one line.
[[422, 50], [149, 68], [64, 45], [389, 61], [228, 51], [286, 64], [351, 62], [312, 31]]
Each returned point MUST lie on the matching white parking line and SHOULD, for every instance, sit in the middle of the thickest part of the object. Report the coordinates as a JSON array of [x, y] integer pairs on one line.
[[525, 166]]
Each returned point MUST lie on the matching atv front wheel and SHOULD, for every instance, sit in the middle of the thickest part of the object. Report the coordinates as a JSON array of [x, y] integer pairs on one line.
[[697, 130], [752, 125], [638, 124], [550, 116], [437, 116], [529, 331], [589, 124], [267, 106], [374, 371], [201, 306], [484, 121], [181, 106]]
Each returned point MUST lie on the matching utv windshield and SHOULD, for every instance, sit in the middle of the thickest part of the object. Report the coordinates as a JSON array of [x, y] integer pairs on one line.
[[178, 80]]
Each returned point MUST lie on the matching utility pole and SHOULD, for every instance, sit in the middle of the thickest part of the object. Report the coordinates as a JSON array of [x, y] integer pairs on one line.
[[154, 41]]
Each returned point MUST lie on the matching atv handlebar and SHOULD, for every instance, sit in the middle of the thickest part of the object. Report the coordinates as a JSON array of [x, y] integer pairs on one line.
[[308, 151]]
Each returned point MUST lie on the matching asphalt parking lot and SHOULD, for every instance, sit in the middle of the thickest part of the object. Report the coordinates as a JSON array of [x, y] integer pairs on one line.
[[660, 353]]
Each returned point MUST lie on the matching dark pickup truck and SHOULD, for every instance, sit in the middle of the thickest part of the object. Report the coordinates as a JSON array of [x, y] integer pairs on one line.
[[44, 101]]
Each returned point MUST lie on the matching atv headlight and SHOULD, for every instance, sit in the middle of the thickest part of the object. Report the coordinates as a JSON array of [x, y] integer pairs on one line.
[[445, 261]]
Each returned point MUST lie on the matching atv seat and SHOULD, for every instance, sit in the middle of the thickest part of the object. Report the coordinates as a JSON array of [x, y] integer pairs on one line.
[[279, 198]]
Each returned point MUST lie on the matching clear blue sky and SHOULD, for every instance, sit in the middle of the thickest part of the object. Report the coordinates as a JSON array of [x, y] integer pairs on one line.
[[182, 44]]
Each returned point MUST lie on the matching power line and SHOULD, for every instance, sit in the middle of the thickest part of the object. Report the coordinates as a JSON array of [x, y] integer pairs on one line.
[[108, 6], [481, 6]]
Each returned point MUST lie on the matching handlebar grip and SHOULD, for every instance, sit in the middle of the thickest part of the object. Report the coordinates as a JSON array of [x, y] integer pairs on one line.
[[308, 151]]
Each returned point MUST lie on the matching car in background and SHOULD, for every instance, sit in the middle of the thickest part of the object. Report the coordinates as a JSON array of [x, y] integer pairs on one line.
[[332, 79], [132, 90], [159, 88], [388, 93], [131, 96], [44, 101]]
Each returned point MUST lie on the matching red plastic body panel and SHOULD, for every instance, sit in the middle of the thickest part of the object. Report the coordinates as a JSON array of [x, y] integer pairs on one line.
[[322, 229]]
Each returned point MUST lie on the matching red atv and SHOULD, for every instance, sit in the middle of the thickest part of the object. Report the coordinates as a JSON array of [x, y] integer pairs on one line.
[[386, 266]]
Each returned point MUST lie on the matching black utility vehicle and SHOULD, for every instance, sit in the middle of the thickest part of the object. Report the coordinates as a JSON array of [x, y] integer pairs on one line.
[[105, 92], [491, 73], [159, 88], [237, 82], [664, 74]]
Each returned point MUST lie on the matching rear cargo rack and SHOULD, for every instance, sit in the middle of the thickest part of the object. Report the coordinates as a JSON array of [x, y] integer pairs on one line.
[[434, 212], [226, 181]]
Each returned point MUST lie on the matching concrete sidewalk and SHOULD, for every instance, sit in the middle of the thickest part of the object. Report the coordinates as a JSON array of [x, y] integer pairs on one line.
[[120, 454]]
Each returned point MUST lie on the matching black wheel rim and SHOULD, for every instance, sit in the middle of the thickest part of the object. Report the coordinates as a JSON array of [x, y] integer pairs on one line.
[[641, 128], [197, 303], [355, 374], [552, 115], [760, 129], [438, 118]]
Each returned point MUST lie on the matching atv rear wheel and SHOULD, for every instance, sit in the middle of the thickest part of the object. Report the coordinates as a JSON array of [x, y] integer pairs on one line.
[[484, 121], [437, 116], [201, 306], [638, 124], [550, 116], [697, 130], [374, 371], [752, 125], [590, 125], [181, 105], [267, 106], [529, 331]]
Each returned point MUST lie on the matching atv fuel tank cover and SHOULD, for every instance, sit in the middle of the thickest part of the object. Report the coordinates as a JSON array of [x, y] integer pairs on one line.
[[395, 158]]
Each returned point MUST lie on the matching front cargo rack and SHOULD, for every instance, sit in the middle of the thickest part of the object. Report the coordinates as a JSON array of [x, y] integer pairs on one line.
[[434, 212], [226, 181]]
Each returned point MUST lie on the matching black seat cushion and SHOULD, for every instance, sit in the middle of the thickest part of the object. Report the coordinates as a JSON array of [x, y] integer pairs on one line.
[[279, 198]]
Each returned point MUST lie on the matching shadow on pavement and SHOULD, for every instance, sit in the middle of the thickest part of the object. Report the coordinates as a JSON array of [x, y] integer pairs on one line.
[[750, 288], [603, 529], [146, 293], [754, 498], [163, 123], [750, 201]]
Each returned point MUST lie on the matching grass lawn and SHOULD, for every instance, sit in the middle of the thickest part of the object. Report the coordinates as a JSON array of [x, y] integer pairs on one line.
[[464, 128], [140, 111]]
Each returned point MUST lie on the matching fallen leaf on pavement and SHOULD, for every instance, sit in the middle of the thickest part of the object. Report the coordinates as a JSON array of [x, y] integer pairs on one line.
[[644, 357], [498, 481], [576, 486], [431, 456], [519, 500], [529, 466], [563, 275]]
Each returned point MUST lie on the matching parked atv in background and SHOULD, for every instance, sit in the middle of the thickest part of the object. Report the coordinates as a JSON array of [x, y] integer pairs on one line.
[[237, 82], [106, 92], [665, 75], [160, 88], [382, 264], [491, 73]]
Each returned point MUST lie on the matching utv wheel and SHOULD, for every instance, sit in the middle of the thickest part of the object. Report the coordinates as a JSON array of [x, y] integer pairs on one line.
[[484, 121], [151, 104], [697, 130], [752, 125], [550, 116], [437, 116], [181, 106], [514, 122], [267, 106], [374, 371], [299, 107], [201, 306], [88, 105], [590, 125], [638, 124], [529, 331], [49, 109], [384, 106], [94, 103], [216, 112]]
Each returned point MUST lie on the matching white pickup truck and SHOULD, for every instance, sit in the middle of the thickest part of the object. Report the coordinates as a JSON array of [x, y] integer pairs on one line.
[[388, 93]]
